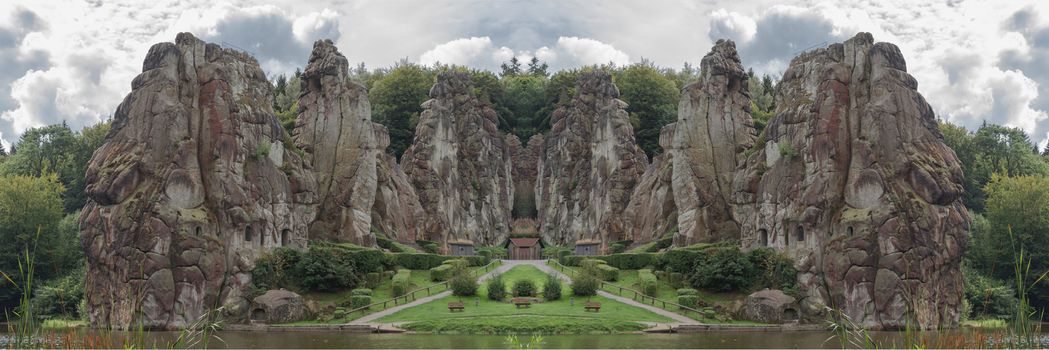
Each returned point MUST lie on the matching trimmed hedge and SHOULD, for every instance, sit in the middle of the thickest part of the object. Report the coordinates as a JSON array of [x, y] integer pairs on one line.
[[681, 260], [571, 260], [477, 260], [463, 284], [524, 288], [441, 273], [648, 282], [373, 279], [552, 287], [687, 291], [608, 273], [401, 282], [591, 263], [496, 288], [676, 279], [691, 301], [585, 284], [361, 291], [358, 301], [418, 261], [632, 261]]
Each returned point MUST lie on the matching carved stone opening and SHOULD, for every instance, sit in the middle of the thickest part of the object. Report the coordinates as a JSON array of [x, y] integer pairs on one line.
[[284, 237], [248, 235], [800, 235], [764, 236]]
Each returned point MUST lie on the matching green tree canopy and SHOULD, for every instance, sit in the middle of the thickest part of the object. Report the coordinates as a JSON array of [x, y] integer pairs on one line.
[[57, 149], [652, 99], [29, 204], [396, 97], [991, 149]]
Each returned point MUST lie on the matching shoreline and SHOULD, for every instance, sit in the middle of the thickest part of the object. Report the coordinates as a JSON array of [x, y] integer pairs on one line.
[[380, 329]]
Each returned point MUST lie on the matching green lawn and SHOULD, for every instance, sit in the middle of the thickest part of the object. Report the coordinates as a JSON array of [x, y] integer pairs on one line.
[[526, 324], [614, 316]]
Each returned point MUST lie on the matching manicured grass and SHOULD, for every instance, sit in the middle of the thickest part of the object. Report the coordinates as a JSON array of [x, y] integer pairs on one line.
[[526, 324], [614, 316]]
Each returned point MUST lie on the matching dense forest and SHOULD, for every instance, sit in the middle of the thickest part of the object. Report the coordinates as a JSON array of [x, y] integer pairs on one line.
[[42, 176]]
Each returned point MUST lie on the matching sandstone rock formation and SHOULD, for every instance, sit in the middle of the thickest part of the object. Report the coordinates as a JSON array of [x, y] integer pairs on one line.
[[770, 306], [652, 211], [855, 183], [460, 166], [525, 161], [334, 128], [396, 211], [589, 167], [278, 306], [193, 183], [707, 142]]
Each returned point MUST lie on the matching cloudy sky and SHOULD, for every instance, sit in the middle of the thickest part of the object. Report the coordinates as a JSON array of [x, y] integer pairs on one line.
[[74, 60]]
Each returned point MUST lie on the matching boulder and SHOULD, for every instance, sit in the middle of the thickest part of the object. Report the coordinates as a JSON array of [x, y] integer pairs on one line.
[[279, 306], [770, 306], [460, 166], [194, 182], [589, 166]]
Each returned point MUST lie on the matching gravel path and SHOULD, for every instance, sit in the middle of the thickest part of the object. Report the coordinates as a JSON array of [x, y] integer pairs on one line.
[[506, 266]]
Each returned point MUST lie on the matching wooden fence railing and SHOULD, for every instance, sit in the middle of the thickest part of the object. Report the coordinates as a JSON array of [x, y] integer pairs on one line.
[[410, 296], [637, 295]]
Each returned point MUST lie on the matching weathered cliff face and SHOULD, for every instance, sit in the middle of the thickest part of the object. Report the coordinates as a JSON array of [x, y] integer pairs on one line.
[[707, 142], [525, 161], [460, 166], [396, 211], [589, 167], [334, 128], [192, 184], [856, 184], [652, 211]]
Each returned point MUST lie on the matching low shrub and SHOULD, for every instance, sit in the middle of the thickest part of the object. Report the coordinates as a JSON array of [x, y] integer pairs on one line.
[[272, 270], [591, 263], [608, 273], [552, 287], [359, 301], [632, 261], [361, 291], [441, 273], [726, 270], [676, 279], [554, 252], [571, 260], [987, 297], [585, 284], [401, 282], [524, 288], [418, 261], [373, 279], [60, 297], [687, 291], [387, 275], [477, 260], [459, 263], [324, 269], [691, 301], [431, 248], [616, 248], [491, 252], [462, 284], [648, 283], [681, 260], [661, 244], [496, 288]]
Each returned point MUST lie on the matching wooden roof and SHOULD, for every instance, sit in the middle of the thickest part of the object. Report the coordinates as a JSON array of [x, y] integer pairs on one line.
[[587, 242], [524, 242]]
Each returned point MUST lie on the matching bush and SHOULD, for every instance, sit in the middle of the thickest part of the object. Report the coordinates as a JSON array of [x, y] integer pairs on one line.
[[524, 288], [616, 247], [491, 252], [323, 269], [477, 260], [373, 279], [691, 301], [401, 282], [774, 270], [368, 260], [571, 260], [632, 261], [359, 301], [441, 273], [418, 261], [675, 279], [60, 296], [608, 273], [552, 287], [987, 297], [726, 270], [661, 244], [591, 264], [361, 291], [462, 284], [272, 270], [496, 288], [681, 260], [648, 283], [687, 291], [585, 284], [459, 263]]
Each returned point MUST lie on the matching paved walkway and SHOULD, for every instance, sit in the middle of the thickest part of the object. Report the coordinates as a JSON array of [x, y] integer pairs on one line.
[[507, 265]]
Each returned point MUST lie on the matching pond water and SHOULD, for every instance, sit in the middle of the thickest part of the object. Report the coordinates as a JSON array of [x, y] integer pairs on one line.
[[711, 339]]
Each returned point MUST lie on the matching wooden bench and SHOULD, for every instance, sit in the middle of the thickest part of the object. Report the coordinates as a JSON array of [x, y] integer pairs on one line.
[[592, 305], [519, 302], [456, 305]]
